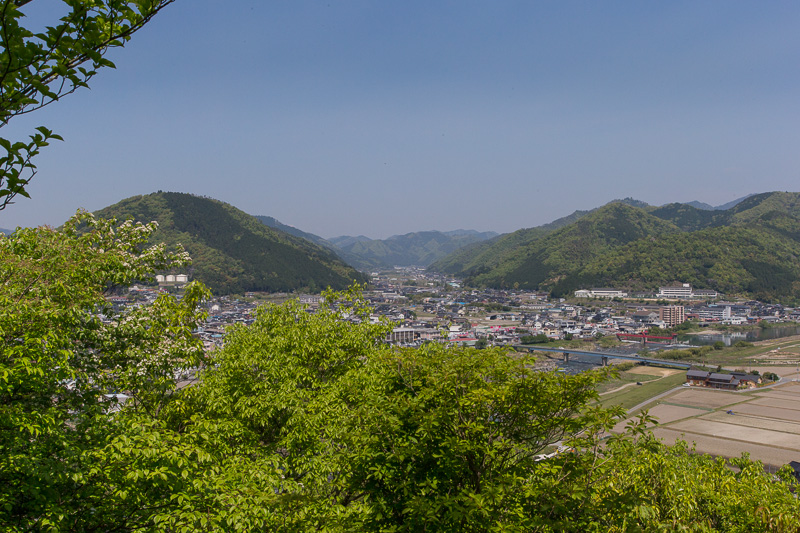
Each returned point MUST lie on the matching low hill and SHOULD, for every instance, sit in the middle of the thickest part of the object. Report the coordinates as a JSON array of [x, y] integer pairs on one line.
[[233, 252], [6, 231], [753, 261], [751, 249], [412, 249]]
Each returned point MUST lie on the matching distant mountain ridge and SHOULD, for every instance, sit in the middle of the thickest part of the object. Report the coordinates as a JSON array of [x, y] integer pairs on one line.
[[751, 248], [6, 231], [291, 230], [723, 207], [412, 249], [233, 252]]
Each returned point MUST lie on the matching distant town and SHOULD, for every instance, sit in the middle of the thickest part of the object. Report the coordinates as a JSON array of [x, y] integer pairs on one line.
[[425, 306]]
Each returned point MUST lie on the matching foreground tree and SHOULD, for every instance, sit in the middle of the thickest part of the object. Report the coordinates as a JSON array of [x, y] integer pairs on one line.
[[63, 351], [37, 69]]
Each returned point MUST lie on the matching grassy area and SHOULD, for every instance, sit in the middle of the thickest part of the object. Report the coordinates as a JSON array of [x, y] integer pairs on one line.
[[624, 379], [635, 395]]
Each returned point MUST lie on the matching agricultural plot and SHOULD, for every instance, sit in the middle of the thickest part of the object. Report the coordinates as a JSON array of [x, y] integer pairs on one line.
[[654, 371], [751, 421], [764, 411], [705, 398], [733, 432], [780, 395], [765, 424], [729, 448], [787, 388], [776, 403], [664, 414]]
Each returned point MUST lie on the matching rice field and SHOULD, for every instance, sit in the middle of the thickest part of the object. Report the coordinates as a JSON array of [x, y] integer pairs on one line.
[[763, 423]]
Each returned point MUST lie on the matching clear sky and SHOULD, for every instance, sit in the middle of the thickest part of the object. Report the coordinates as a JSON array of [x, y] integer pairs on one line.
[[382, 118]]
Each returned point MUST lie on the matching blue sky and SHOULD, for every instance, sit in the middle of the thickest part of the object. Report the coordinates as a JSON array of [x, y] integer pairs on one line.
[[380, 118]]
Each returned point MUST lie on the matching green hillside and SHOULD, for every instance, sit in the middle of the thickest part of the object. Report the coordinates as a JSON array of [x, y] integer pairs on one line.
[[752, 249], [758, 262], [547, 259], [484, 255], [234, 252]]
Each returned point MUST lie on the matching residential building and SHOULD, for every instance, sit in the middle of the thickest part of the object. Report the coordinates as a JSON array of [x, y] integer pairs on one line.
[[672, 315]]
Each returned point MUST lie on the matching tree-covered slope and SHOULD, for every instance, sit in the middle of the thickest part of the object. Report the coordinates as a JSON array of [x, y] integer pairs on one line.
[[753, 249], [757, 261], [486, 254], [232, 251], [690, 218], [412, 249], [544, 260]]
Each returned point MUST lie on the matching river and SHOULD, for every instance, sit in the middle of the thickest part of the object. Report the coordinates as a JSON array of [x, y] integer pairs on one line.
[[732, 337]]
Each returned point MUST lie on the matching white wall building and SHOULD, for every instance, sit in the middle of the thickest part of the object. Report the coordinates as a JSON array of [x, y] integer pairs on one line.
[[601, 293], [683, 291]]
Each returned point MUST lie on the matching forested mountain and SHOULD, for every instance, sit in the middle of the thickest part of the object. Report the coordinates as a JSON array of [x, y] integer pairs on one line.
[[412, 249], [751, 248], [483, 255], [6, 231], [232, 251]]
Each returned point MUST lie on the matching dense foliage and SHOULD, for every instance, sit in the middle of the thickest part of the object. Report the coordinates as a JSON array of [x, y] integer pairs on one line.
[[307, 421], [63, 355], [232, 251], [750, 249]]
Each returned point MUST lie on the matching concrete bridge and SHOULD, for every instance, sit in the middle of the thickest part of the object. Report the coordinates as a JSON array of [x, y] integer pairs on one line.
[[603, 356]]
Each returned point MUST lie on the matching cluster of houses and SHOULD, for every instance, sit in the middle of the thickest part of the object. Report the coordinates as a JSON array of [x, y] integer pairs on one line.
[[716, 380], [429, 307], [504, 316]]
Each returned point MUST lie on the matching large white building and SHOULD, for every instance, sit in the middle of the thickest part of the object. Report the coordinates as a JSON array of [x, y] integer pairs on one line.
[[683, 291], [601, 293]]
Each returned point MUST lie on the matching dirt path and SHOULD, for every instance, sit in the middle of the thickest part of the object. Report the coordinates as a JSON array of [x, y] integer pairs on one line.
[[623, 387], [663, 372], [630, 384]]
